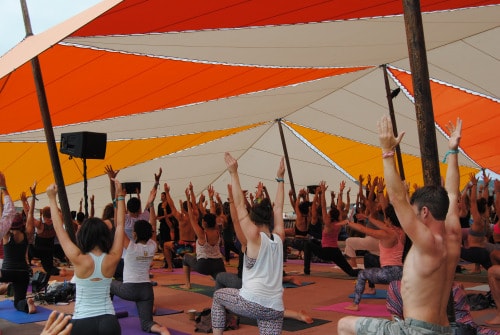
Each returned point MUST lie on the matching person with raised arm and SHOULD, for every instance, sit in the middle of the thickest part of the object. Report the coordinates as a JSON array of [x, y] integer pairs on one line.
[[94, 257], [431, 221], [261, 296]]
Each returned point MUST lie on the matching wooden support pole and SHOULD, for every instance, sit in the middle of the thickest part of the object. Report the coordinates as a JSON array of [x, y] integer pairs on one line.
[[422, 92], [393, 120], [49, 131], [287, 160]]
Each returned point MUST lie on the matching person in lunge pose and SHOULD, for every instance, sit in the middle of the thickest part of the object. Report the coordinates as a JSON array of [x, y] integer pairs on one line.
[[261, 296], [431, 221]]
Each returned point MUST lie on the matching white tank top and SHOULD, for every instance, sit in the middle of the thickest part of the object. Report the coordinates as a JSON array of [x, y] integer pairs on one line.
[[92, 296], [263, 283]]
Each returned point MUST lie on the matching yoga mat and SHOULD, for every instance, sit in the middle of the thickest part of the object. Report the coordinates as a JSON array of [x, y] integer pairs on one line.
[[292, 285], [132, 326], [379, 294], [289, 325], [195, 288], [482, 288], [365, 309], [9, 328], [122, 305], [10, 313]]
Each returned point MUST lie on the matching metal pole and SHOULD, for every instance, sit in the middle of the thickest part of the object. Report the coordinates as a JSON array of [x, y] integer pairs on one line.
[[422, 92], [85, 186], [287, 160], [393, 120], [49, 132]]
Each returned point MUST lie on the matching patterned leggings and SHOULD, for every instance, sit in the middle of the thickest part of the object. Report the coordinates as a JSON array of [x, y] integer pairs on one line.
[[383, 275], [270, 321]]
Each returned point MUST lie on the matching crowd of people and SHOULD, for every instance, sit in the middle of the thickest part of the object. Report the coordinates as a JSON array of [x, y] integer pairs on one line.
[[412, 241]]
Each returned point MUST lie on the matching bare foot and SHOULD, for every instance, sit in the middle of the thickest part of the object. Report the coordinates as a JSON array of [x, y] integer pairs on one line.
[[186, 286], [31, 306], [304, 317], [168, 270], [352, 307], [294, 280], [370, 290], [160, 329]]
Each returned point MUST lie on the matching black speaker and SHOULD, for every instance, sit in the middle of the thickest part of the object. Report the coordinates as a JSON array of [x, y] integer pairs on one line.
[[84, 144], [132, 187]]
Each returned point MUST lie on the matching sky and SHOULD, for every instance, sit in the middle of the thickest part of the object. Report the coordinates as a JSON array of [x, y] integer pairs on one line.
[[43, 15]]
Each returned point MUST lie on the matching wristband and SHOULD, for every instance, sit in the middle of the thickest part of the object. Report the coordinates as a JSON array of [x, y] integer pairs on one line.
[[280, 180], [450, 152], [120, 198], [388, 154], [3, 188]]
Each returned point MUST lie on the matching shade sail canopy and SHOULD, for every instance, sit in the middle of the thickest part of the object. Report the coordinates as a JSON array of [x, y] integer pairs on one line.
[[176, 84]]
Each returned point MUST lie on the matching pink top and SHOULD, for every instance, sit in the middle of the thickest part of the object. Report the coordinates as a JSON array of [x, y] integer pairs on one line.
[[394, 255], [496, 228], [331, 239]]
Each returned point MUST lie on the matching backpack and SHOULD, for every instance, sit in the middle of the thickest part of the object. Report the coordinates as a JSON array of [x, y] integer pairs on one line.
[[204, 321], [60, 292]]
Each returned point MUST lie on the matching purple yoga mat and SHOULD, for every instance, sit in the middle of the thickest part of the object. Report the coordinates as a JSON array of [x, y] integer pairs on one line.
[[132, 326]]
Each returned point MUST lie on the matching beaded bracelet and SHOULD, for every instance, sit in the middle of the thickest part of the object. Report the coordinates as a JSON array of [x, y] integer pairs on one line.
[[280, 180]]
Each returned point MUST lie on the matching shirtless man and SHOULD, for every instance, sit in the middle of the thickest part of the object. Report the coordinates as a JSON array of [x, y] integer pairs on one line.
[[187, 236], [431, 220]]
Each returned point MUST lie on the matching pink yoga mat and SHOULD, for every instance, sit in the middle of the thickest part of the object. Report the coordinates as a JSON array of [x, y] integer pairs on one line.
[[364, 309]]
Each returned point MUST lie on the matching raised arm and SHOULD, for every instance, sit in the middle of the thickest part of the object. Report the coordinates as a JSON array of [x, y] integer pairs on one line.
[[116, 250], [395, 187], [234, 216], [8, 209], [193, 214], [108, 169], [70, 249], [250, 230], [452, 182], [170, 202]]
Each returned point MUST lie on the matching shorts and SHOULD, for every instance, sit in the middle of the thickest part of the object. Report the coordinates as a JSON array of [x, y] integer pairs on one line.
[[407, 327], [184, 247]]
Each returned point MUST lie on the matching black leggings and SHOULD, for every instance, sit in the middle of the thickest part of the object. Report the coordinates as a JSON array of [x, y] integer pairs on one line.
[[20, 280], [106, 324]]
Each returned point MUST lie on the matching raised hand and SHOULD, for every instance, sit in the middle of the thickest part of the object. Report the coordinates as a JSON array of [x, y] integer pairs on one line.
[[455, 131], [386, 134]]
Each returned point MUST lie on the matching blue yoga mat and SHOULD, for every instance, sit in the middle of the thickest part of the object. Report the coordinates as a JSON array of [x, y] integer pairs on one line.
[[379, 294], [122, 305], [10, 313], [132, 326]]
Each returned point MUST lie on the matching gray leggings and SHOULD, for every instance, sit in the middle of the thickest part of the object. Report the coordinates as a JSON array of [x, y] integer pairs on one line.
[[142, 294], [270, 321]]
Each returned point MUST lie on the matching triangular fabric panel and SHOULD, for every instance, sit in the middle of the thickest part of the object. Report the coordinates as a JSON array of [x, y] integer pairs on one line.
[[139, 16], [33, 158], [449, 103], [361, 159], [125, 84]]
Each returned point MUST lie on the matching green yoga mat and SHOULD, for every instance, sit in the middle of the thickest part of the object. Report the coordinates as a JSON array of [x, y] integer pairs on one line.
[[195, 288], [289, 325]]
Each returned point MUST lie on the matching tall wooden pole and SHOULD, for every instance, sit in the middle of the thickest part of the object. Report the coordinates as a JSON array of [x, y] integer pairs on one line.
[[393, 120], [287, 160], [422, 92], [49, 131]]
